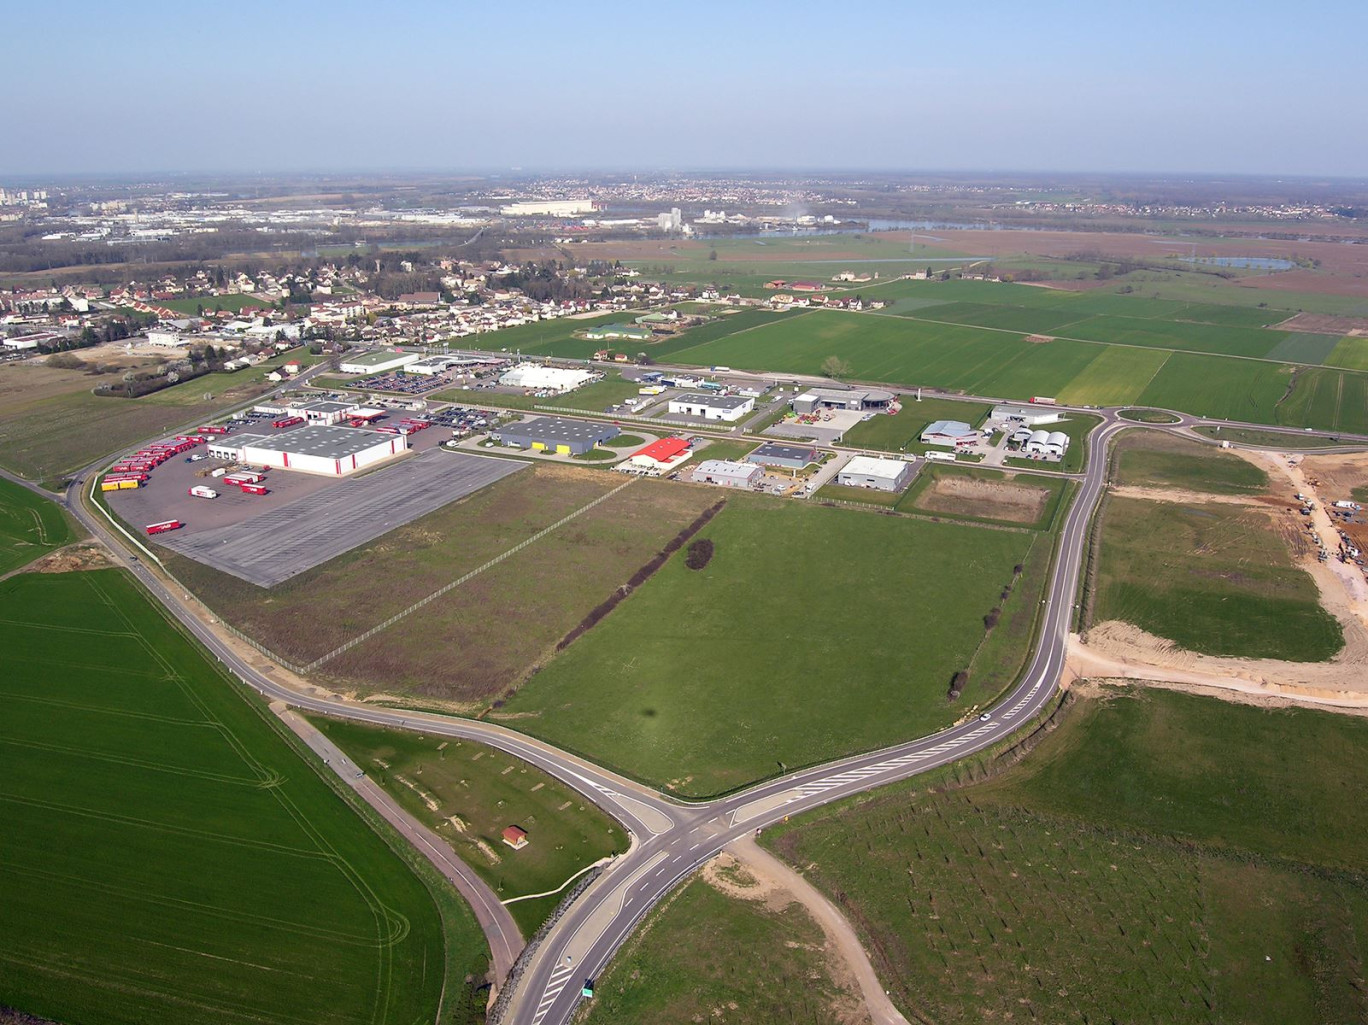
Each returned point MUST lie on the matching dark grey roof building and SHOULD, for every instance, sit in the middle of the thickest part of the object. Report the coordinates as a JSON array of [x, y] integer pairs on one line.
[[555, 434]]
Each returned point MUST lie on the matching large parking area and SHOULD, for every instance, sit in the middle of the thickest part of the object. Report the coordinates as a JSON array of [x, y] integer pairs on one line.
[[265, 542]]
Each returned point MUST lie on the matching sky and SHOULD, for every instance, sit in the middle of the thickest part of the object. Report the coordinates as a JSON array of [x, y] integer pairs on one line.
[[1247, 87]]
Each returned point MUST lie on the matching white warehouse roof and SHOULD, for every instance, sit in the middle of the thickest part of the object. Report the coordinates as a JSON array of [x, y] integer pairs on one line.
[[868, 466], [538, 377]]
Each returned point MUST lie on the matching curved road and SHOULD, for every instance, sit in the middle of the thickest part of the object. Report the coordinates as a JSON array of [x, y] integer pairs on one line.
[[670, 838]]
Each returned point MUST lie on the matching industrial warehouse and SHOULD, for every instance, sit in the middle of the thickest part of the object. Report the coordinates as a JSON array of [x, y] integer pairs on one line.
[[728, 408], [790, 457], [842, 398], [312, 449], [377, 362], [555, 434], [879, 474], [536, 377]]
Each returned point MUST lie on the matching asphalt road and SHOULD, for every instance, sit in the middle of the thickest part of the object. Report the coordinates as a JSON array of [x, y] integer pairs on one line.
[[671, 838]]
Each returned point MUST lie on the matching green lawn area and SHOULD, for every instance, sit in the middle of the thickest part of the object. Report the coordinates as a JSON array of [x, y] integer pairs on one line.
[[599, 395], [865, 496], [547, 337], [502, 622], [1159, 857], [30, 526], [169, 856], [626, 441], [703, 950], [1077, 426], [210, 303], [1152, 459], [723, 448], [901, 432], [826, 631], [1216, 580], [1148, 416], [477, 791]]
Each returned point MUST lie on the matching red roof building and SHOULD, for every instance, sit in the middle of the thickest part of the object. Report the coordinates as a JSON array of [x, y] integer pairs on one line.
[[515, 837], [664, 450]]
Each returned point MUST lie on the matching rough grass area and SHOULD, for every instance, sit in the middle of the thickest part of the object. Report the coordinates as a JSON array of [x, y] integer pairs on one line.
[[1215, 579], [1255, 438], [984, 495], [813, 632], [599, 395], [1159, 858], [158, 822], [30, 526], [477, 639], [51, 425], [705, 956], [468, 793], [1151, 459]]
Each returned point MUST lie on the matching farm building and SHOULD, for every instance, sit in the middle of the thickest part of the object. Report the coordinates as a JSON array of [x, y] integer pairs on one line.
[[842, 398], [1030, 416], [555, 434], [311, 449], [791, 457], [377, 362], [536, 377], [879, 474], [657, 457], [618, 332], [712, 407], [727, 473], [1047, 443], [950, 434]]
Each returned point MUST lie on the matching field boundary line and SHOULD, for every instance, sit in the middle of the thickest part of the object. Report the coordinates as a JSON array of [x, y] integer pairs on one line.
[[446, 588]]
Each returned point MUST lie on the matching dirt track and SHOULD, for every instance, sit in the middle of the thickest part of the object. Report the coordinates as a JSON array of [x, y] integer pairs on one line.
[[777, 885], [1000, 500]]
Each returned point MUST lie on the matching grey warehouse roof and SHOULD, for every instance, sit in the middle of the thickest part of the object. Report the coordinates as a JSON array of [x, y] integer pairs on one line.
[[324, 442], [772, 451], [555, 428], [950, 428], [716, 401]]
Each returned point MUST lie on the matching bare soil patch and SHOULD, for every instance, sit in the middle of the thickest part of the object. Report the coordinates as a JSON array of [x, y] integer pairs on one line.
[[72, 559], [1324, 324], [972, 496], [1039, 339]]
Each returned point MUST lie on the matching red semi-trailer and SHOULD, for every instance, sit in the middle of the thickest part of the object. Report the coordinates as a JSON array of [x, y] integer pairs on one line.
[[255, 489], [164, 526], [289, 421]]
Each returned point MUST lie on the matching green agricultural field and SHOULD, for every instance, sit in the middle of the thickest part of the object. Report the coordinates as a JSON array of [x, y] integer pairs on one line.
[[502, 622], [1017, 319], [1350, 353], [1214, 579], [801, 666], [1212, 386], [1330, 400], [158, 821], [1153, 459], [1116, 377], [30, 526], [705, 956], [1299, 347], [477, 791], [1169, 334], [901, 432], [1159, 857]]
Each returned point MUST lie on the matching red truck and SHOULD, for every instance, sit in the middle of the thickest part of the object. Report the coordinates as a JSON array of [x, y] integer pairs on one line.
[[164, 526], [289, 421]]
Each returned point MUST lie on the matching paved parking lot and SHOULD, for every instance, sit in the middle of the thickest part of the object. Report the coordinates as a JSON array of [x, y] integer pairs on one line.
[[286, 540]]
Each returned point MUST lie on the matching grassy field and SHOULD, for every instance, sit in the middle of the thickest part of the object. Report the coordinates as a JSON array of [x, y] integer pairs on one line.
[[901, 432], [1216, 579], [51, 425], [210, 303], [706, 956], [30, 526], [599, 395], [1226, 389], [1159, 858], [1150, 459], [1350, 353], [468, 793], [1331, 400], [501, 622], [1256, 438], [1117, 376], [784, 639], [981, 495], [167, 856]]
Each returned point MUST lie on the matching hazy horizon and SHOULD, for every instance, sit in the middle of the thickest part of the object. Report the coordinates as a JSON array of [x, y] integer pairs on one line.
[[1056, 88]]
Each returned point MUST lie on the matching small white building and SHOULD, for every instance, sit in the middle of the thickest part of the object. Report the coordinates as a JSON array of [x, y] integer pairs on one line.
[[164, 339], [879, 474], [727, 473], [1029, 416], [729, 408]]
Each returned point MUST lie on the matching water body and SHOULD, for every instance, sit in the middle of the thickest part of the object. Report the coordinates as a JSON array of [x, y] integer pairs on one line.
[[1241, 262]]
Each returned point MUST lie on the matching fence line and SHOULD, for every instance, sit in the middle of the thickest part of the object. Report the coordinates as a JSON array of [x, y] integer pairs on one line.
[[360, 638], [616, 416]]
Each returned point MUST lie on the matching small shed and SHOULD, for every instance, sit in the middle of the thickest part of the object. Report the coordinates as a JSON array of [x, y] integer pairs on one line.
[[515, 837]]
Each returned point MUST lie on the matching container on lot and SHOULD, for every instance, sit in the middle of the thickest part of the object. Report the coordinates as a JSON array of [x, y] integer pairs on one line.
[[164, 526], [129, 484], [289, 421], [255, 489], [200, 491], [219, 472], [211, 429]]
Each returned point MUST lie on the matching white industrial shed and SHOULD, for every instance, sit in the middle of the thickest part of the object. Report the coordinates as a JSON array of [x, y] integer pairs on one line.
[[712, 407], [329, 450], [377, 362], [1047, 443], [879, 474], [536, 377], [1030, 416], [727, 473]]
